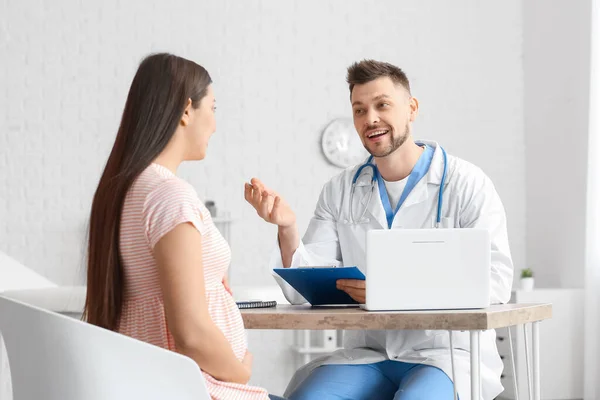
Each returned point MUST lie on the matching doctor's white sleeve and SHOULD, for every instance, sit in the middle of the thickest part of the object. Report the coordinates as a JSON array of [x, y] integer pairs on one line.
[[484, 209], [319, 246]]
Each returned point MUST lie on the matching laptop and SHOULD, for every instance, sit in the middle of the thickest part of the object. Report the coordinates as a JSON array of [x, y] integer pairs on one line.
[[427, 269]]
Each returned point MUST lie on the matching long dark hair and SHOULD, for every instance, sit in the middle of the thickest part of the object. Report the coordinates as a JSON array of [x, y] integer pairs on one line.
[[156, 101]]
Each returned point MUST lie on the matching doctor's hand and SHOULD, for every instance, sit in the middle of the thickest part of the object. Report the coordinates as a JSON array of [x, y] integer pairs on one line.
[[355, 288], [268, 204]]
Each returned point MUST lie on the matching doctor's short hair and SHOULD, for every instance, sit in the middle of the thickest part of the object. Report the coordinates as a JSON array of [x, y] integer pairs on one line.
[[368, 70]]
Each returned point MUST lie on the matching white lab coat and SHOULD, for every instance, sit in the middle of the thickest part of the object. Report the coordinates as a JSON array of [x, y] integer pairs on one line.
[[469, 201]]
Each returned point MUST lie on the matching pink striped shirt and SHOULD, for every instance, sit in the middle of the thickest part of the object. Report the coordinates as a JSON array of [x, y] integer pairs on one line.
[[157, 202]]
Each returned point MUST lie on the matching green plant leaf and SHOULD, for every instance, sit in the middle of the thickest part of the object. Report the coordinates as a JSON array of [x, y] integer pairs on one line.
[[526, 273]]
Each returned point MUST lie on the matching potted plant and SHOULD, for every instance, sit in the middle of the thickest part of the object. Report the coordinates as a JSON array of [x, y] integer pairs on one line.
[[527, 279]]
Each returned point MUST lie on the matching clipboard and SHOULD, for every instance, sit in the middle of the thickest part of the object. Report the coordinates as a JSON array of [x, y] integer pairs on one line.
[[318, 284]]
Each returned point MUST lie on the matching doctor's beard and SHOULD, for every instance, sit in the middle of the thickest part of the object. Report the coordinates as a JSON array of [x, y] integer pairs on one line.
[[397, 141]]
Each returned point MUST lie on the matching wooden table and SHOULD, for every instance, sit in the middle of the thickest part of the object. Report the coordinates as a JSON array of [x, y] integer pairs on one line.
[[354, 318]]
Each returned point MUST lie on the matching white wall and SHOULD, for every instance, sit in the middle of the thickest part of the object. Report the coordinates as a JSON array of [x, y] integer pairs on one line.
[[279, 71], [592, 271], [279, 75], [556, 55]]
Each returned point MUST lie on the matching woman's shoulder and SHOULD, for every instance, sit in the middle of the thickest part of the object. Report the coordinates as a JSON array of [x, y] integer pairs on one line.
[[171, 201], [171, 192], [161, 184]]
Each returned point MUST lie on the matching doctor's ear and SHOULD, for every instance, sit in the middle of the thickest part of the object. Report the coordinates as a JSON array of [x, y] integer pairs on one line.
[[185, 117], [414, 108]]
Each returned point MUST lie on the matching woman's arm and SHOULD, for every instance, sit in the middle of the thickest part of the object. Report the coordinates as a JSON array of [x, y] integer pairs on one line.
[[179, 258]]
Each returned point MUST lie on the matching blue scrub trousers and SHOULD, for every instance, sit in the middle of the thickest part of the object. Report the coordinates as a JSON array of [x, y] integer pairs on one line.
[[385, 380]]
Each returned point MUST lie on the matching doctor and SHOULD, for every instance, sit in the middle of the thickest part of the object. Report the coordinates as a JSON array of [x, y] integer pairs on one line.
[[399, 365]]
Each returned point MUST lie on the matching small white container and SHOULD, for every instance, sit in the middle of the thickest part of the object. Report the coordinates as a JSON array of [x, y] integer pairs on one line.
[[527, 284]]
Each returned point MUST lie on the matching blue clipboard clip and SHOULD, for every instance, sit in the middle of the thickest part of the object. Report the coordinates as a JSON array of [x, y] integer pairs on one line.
[[318, 284]]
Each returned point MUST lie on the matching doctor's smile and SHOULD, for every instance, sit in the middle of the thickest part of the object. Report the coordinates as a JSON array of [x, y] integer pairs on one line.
[[376, 134]]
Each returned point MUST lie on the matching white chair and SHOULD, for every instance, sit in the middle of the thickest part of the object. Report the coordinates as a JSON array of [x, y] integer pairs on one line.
[[55, 357], [16, 276]]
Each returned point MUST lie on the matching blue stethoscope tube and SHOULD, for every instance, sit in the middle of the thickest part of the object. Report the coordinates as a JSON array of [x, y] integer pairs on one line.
[[374, 173]]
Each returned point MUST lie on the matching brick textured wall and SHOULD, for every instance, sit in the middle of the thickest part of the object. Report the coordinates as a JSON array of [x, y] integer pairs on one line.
[[279, 70]]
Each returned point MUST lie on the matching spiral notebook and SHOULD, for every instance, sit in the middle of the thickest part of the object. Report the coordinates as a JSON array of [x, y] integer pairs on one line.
[[255, 304]]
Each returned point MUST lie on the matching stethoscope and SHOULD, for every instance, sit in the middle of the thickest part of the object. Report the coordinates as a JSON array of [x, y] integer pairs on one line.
[[375, 173]]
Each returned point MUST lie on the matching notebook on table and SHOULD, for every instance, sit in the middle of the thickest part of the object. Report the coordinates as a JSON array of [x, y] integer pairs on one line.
[[255, 304]]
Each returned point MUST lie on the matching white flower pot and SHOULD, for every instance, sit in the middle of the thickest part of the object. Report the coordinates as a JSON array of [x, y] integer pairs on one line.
[[527, 284]]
